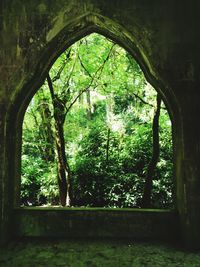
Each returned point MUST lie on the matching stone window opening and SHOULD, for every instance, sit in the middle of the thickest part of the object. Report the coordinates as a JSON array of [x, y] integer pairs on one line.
[[46, 113]]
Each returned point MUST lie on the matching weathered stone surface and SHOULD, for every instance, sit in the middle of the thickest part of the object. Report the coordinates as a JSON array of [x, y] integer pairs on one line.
[[94, 223], [164, 38]]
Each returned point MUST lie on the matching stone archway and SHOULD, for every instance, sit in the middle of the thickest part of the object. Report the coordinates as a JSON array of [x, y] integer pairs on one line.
[[87, 24], [58, 38]]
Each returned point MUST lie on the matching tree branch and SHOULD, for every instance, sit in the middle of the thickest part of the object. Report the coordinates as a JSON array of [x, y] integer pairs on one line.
[[57, 76], [83, 66], [106, 59], [77, 97], [145, 102], [142, 100], [50, 84], [71, 72], [91, 82]]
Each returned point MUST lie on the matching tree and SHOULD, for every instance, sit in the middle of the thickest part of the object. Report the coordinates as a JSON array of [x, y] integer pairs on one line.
[[100, 108], [64, 173], [147, 195], [62, 104]]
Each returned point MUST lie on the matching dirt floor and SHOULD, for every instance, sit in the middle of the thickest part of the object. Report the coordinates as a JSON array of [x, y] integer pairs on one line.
[[38, 253]]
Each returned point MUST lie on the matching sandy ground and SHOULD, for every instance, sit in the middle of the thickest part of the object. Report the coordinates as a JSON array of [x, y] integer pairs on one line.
[[38, 253]]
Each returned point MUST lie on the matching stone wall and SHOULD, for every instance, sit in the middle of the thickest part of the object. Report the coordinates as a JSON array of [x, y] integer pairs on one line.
[[163, 36], [97, 223]]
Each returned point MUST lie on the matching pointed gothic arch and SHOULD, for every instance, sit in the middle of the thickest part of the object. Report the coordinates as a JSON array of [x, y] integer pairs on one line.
[[59, 39]]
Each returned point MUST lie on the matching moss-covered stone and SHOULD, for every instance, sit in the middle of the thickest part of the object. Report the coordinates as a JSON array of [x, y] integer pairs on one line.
[[97, 223], [163, 36]]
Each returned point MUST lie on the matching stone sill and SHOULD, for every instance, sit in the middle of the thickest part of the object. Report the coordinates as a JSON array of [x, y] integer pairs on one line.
[[140, 224]]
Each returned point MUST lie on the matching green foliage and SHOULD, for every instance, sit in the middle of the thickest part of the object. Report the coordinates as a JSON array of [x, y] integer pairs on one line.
[[108, 135], [39, 182], [120, 181], [38, 177]]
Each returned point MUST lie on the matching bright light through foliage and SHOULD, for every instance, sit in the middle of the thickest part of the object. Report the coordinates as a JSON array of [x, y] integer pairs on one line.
[[101, 108]]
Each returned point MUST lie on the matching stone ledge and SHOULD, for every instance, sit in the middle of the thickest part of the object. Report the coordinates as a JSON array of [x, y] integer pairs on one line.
[[140, 224]]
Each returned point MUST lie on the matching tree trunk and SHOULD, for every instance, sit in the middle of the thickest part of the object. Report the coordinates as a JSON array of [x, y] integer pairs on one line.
[[107, 145], [146, 199], [89, 106], [46, 129], [64, 174]]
